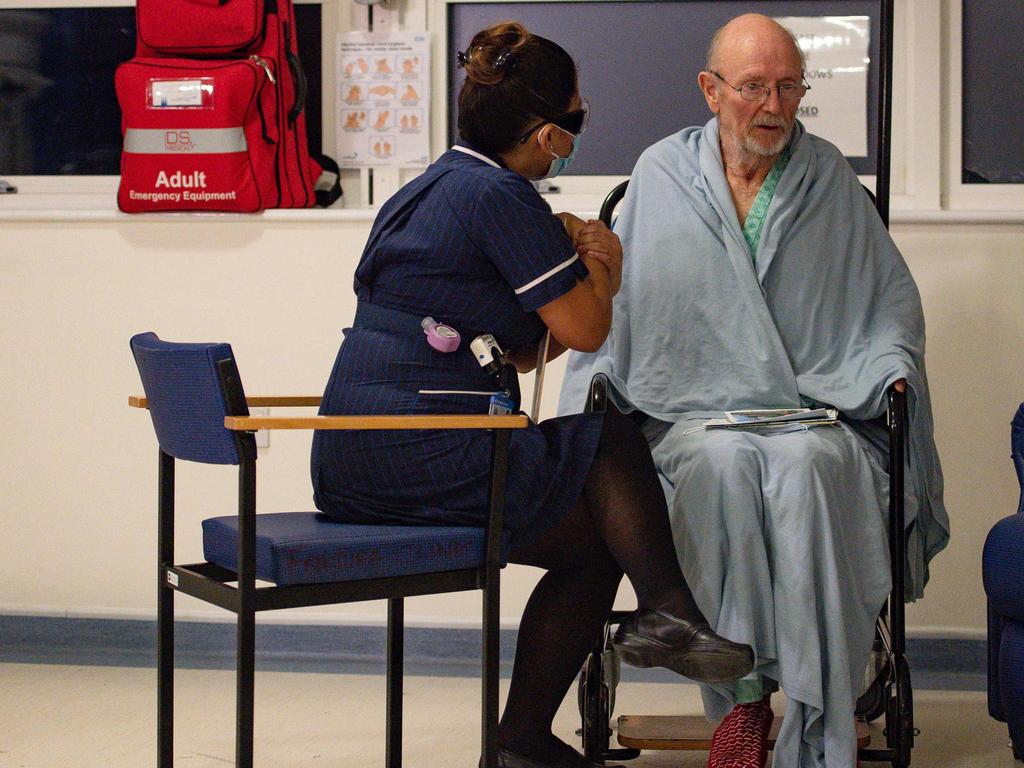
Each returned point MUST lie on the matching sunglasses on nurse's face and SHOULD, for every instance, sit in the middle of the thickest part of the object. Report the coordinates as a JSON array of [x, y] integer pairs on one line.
[[574, 122]]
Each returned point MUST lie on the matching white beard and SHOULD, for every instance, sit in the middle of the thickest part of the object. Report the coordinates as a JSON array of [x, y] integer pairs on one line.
[[751, 146]]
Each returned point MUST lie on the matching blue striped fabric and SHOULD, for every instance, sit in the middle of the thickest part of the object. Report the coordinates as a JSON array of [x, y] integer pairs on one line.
[[185, 400], [472, 245], [459, 242], [309, 548]]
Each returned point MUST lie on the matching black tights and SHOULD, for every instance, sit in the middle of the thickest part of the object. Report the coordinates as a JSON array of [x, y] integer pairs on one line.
[[619, 525]]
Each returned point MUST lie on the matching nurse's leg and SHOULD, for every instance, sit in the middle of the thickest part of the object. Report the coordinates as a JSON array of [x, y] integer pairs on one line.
[[563, 616], [625, 500]]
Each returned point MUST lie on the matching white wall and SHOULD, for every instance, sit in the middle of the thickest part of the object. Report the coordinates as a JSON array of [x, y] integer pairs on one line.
[[78, 467]]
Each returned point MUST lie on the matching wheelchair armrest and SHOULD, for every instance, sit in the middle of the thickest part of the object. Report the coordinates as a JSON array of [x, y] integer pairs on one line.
[[254, 423], [896, 412], [597, 397], [255, 401]]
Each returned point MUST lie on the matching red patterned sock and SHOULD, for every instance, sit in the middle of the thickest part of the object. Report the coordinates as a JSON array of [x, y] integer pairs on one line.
[[741, 739]]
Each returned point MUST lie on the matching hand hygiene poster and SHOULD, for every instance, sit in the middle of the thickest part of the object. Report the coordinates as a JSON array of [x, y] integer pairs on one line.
[[836, 51], [384, 93]]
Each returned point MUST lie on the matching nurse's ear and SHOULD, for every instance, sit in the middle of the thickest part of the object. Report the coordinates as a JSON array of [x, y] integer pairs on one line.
[[545, 136], [553, 140]]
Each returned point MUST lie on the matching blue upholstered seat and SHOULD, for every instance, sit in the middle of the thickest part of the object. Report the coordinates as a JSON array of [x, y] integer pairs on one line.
[[310, 548], [1003, 575]]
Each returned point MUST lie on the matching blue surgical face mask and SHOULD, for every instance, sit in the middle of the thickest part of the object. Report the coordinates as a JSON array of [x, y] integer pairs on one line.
[[559, 164]]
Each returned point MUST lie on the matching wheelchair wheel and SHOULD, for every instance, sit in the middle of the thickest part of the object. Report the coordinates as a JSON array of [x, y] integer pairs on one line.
[[607, 694]]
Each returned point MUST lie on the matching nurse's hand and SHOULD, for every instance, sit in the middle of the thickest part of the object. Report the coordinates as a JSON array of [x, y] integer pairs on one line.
[[596, 241]]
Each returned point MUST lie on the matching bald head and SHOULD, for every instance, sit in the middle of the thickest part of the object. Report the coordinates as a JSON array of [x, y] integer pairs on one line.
[[753, 36]]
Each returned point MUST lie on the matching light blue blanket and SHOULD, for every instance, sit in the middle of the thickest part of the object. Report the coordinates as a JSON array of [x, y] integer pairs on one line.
[[782, 536]]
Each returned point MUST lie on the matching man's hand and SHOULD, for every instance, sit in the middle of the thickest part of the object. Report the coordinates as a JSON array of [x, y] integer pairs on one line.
[[597, 242], [900, 385]]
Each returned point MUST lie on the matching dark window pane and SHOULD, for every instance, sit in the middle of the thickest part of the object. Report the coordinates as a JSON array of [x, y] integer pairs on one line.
[[993, 124], [307, 24], [642, 59], [58, 109]]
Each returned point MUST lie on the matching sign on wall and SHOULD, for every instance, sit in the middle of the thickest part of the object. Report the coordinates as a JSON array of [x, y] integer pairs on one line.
[[383, 99], [836, 51]]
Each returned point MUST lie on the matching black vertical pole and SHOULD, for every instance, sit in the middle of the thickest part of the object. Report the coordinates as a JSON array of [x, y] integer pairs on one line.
[[246, 612], [884, 110], [165, 613], [395, 670]]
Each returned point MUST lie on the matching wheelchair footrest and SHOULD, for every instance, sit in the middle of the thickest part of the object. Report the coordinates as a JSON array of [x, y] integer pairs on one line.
[[690, 732]]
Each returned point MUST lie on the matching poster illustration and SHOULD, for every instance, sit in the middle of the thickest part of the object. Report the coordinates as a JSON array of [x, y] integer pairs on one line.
[[383, 97]]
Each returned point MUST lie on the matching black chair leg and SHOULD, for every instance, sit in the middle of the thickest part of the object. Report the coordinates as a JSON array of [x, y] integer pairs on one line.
[[165, 614], [491, 637], [245, 687], [165, 675], [396, 653]]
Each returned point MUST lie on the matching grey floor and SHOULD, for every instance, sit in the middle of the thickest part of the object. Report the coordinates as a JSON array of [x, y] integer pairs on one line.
[[80, 717]]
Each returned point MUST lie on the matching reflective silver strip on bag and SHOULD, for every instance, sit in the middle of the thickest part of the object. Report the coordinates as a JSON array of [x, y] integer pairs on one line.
[[190, 141]]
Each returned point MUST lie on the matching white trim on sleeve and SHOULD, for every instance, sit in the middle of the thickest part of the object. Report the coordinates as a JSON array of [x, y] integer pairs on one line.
[[546, 275]]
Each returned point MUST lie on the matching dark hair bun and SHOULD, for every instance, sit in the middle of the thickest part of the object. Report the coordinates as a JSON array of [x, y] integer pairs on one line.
[[513, 80], [493, 53]]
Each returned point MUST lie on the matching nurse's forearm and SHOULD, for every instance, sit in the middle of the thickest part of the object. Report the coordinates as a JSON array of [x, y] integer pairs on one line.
[[525, 360], [581, 318]]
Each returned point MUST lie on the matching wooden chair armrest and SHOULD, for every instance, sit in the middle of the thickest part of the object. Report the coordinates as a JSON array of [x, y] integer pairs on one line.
[[253, 423], [254, 401]]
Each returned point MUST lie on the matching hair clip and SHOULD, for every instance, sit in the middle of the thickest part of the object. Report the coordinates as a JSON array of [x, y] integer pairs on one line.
[[506, 60], [463, 58]]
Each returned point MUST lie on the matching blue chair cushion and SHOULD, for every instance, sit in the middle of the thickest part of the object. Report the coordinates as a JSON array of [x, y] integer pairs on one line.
[[311, 548], [1003, 566]]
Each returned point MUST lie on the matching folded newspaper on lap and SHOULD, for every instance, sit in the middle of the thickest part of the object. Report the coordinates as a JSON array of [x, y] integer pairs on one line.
[[775, 418]]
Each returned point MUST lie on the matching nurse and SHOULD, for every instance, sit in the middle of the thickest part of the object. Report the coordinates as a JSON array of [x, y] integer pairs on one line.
[[471, 244]]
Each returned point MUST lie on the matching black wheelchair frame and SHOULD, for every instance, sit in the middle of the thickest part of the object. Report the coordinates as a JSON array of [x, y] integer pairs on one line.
[[890, 693]]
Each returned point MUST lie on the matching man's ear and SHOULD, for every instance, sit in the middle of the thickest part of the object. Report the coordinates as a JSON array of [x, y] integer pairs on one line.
[[708, 87]]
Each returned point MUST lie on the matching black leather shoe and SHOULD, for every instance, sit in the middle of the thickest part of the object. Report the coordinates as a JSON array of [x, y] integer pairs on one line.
[[569, 758], [651, 638]]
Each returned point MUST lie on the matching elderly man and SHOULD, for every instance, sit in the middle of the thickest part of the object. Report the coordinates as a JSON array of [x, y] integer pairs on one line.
[[758, 275]]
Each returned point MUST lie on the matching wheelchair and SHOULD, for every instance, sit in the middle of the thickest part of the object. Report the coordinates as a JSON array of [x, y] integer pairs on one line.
[[888, 691]]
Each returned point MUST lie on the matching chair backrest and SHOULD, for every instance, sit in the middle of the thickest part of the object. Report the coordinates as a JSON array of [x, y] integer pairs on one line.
[[1017, 451], [190, 388]]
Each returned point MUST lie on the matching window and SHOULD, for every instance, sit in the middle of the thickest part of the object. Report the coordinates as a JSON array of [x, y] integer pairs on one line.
[[641, 58], [59, 114]]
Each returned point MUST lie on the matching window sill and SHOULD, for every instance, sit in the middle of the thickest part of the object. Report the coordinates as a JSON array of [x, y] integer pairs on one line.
[[99, 208]]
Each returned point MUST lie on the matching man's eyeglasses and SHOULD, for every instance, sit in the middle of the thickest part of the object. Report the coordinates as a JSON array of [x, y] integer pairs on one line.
[[758, 92], [574, 122]]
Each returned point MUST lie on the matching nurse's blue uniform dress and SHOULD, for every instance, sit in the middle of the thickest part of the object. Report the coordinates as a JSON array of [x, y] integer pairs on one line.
[[471, 244]]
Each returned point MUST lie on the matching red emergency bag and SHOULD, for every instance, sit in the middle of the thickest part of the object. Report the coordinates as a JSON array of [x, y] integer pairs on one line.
[[198, 135], [227, 73]]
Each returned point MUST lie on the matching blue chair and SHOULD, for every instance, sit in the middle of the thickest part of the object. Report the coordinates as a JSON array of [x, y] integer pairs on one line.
[[200, 413], [1003, 575]]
